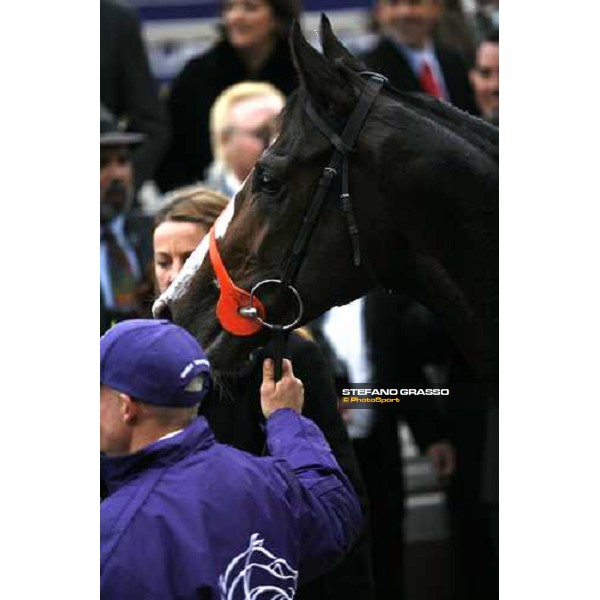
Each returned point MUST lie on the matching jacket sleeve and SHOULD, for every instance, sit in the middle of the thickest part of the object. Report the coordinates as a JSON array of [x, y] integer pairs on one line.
[[330, 518]]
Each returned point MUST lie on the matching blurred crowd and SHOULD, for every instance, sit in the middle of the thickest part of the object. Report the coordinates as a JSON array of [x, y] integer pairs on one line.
[[168, 166]]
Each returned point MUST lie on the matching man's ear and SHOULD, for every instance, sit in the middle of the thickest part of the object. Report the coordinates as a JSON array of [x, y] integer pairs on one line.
[[318, 75], [129, 409]]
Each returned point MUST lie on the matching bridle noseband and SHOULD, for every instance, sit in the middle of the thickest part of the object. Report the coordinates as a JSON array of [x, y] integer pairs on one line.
[[249, 308]]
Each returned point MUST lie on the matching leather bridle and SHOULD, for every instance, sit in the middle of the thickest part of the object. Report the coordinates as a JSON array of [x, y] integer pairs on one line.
[[241, 312]]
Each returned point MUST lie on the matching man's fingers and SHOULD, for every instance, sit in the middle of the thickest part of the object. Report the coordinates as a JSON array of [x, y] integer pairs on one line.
[[286, 368], [286, 393], [268, 371]]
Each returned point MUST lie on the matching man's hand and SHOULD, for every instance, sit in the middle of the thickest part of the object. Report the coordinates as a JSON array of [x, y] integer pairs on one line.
[[443, 458], [288, 392]]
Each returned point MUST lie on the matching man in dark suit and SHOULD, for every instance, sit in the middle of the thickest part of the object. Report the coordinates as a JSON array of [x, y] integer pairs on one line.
[[408, 56], [127, 88], [386, 340], [125, 236]]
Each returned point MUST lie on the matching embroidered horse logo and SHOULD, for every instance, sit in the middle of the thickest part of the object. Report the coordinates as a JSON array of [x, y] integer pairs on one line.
[[257, 574]]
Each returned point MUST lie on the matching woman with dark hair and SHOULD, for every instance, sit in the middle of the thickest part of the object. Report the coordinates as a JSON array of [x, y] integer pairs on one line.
[[233, 407], [179, 227], [253, 46]]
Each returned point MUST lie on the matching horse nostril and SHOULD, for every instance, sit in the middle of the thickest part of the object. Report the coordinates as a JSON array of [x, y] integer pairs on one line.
[[161, 310], [166, 313]]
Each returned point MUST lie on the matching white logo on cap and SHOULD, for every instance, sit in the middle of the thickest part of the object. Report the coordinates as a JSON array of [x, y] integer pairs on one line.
[[196, 384], [190, 366]]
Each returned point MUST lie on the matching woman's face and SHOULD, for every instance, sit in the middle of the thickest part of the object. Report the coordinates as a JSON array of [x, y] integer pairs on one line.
[[249, 23], [173, 243]]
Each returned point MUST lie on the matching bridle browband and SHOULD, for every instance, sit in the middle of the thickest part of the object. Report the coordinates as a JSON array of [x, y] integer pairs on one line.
[[343, 145], [249, 308]]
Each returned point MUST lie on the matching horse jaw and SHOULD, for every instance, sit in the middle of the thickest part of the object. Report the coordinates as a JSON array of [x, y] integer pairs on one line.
[[229, 354]]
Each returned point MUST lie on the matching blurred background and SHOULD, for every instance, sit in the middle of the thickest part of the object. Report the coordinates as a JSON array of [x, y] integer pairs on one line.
[[177, 30]]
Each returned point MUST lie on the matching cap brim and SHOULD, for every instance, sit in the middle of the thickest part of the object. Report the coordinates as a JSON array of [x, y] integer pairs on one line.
[[120, 138]]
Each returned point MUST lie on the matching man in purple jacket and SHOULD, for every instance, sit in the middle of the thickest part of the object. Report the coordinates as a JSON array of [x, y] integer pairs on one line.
[[187, 517]]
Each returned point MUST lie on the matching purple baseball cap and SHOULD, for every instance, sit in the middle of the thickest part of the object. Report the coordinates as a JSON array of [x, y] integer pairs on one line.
[[155, 362]]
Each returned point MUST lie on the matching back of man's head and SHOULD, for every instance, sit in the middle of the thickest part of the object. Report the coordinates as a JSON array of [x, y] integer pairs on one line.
[[153, 376], [155, 362]]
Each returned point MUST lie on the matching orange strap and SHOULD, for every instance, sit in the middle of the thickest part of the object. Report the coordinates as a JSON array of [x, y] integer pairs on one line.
[[232, 298]]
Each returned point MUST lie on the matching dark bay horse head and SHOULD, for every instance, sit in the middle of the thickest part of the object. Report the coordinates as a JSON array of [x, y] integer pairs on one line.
[[423, 178]]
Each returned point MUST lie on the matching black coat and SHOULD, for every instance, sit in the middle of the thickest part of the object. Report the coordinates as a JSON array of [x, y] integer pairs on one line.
[[401, 336], [234, 413], [386, 58], [192, 95], [127, 88]]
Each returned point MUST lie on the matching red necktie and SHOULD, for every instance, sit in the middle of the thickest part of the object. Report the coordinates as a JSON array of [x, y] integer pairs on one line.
[[428, 82]]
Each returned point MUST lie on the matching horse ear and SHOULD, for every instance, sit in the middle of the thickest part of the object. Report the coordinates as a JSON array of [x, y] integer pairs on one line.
[[318, 75], [335, 50]]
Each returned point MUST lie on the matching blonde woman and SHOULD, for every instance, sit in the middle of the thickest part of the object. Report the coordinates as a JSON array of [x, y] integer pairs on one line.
[[244, 120]]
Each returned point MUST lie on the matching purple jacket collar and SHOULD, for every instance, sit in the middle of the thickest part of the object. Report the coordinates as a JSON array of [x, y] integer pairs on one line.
[[118, 470]]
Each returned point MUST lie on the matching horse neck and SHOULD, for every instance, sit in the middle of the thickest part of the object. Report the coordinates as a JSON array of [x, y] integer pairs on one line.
[[435, 232]]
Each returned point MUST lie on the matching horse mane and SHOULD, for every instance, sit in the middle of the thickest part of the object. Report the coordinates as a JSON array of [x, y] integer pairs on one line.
[[341, 67], [473, 129]]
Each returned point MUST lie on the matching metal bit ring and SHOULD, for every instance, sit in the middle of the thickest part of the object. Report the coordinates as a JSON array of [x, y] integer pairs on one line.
[[251, 312]]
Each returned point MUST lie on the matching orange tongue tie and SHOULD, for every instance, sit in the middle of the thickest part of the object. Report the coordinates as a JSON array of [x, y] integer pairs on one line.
[[232, 298]]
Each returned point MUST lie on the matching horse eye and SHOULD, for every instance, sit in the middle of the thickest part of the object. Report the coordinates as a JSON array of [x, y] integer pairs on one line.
[[265, 183]]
